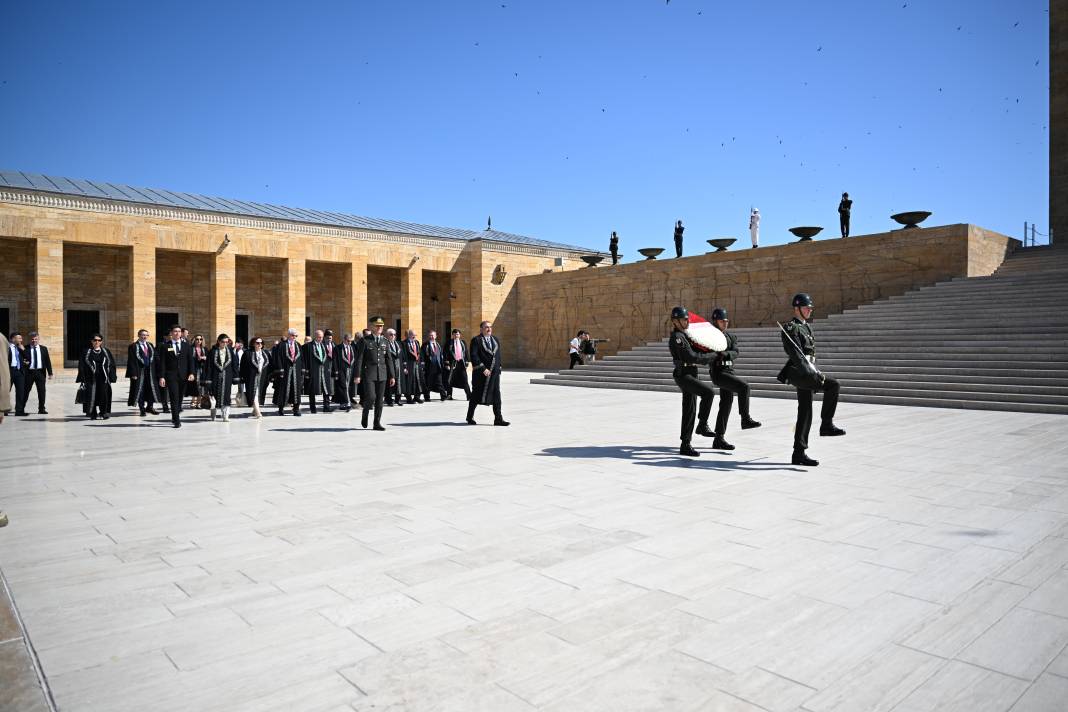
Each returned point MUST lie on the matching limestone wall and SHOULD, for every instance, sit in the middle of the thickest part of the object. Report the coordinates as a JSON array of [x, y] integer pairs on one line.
[[629, 303], [17, 291]]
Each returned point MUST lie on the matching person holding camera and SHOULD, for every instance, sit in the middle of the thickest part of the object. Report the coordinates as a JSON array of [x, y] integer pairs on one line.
[[576, 350]]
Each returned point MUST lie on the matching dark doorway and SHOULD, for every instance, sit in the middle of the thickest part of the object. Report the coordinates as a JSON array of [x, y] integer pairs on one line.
[[164, 322], [307, 326], [5, 321], [241, 329], [81, 325], [400, 336], [445, 336]]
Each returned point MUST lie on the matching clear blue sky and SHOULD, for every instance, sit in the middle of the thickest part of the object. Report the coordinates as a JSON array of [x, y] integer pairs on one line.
[[562, 119]]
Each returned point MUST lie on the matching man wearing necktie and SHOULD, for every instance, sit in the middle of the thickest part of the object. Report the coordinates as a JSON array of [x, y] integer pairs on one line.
[[412, 362], [320, 372], [434, 363], [456, 364], [345, 373], [486, 374], [38, 370], [374, 370], [288, 372], [17, 369], [141, 371], [174, 364]]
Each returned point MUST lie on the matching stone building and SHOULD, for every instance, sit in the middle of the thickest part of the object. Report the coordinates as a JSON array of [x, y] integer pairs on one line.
[[80, 256]]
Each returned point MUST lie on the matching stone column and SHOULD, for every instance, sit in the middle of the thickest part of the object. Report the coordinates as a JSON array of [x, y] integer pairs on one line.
[[48, 318], [356, 288], [412, 300], [294, 308], [143, 287], [223, 295]]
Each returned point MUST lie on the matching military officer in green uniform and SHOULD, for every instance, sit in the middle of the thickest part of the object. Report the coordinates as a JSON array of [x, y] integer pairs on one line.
[[800, 371], [722, 372], [374, 370], [687, 360]]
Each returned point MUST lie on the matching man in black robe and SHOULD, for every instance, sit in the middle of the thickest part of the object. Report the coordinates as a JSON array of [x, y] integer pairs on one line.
[[486, 374], [412, 363], [394, 392], [174, 366], [434, 367], [141, 370], [456, 364], [319, 367], [374, 369], [288, 367], [345, 373]]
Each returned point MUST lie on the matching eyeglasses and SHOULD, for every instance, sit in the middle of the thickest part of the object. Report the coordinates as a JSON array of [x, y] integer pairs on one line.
[[95, 340], [257, 343]]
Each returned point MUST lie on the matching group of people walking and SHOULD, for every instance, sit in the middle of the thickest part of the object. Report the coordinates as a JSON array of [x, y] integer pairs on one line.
[[800, 371]]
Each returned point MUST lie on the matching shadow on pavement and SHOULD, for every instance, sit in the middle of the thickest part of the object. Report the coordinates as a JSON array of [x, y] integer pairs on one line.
[[657, 456]]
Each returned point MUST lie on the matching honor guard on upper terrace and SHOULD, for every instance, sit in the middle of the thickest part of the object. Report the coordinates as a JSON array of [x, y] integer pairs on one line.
[[687, 360], [722, 372], [801, 372]]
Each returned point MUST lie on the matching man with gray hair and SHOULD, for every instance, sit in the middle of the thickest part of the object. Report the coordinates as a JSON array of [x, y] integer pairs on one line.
[[288, 373], [393, 393], [38, 370]]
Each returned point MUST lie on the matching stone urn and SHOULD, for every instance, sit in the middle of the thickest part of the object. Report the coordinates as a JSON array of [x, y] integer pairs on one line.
[[912, 219], [806, 233], [592, 260], [650, 253], [722, 243]]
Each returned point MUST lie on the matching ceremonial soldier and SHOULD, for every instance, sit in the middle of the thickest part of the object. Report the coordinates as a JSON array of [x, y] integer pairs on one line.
[[686, 360], [345, 373], [374, 369], [800, 371], [175, 367], [319, 367], [141, 370], [288, 366], [722, 372], [412, 361], [393, 393], [434, 363], [486, 374], [456, 361]]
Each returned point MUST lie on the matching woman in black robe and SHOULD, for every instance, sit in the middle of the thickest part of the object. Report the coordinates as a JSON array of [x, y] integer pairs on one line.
[[256, 372], [96, 373], [222, 370], [200, 386]]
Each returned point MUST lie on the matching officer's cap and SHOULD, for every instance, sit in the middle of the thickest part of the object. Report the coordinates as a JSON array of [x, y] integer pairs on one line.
[[377, 321]]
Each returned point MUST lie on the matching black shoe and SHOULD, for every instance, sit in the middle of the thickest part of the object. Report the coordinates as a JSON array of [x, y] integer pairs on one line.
[[328, 410], [281, 412], [800, 458], [378, 426], [363, 420], [831, 430], [142, 414], [153, 411], [178, 425], [92, 416], [399, 404], [105, 416], [314, 411], [702, 429], [687, 449], [471, 421], [21, 414], [389, 405], [418, 400], [748, 423], [42, 412], [720, 444], [296, 413], [501, 422]]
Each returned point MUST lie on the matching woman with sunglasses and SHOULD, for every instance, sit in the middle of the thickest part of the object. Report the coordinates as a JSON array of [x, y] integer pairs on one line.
[[222, 369], [256, 372], [96, 373], [200, 387]]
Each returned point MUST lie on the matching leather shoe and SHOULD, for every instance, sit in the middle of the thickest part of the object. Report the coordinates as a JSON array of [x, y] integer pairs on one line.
[[721, 444], [749, 423], [378, 427], [704, 430], [471, 421], [363, 420], [831, 430], [153, 411], [296, 413], [687, 449], [42, 412], [800, 458], [177, 425], [501, 422]]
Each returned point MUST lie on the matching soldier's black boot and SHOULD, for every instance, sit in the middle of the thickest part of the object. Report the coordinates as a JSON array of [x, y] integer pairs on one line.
[[720, 444], [703, 429], [687, 449], [748, 423], [800, 458], [829, 429]]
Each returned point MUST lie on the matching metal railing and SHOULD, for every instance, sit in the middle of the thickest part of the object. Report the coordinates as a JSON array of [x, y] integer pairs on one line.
[[1031, 233]]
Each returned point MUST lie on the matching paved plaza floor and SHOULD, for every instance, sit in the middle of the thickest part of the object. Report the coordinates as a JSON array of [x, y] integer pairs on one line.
[[570, 562]]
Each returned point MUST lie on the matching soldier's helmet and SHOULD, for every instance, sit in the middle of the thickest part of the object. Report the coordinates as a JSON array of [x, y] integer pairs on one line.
[[719, 313], [680, 313], [803, 300]]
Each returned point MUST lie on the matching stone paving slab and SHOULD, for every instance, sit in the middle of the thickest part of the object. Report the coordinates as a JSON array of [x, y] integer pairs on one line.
[[572, 561]]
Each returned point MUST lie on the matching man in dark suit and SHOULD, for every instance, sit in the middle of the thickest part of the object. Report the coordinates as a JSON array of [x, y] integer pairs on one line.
[[374, 370], [17, 367], [174, 364], [456, 364], [38, 368]]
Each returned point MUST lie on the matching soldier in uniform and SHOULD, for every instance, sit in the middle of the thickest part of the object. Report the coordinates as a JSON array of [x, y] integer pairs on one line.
[[687, 359], [800, 347], [374, 370], [722, 372]]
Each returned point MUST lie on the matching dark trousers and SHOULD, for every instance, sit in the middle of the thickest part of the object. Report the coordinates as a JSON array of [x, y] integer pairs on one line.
[[458, 379], [326, 400], [472, 403], [692, 388], [575, 359], [146, 400], [35, 377], [678, 248], [830, 391], [729, 385], [393, 393], [615, 257], [373, 395], [18, 382], [844, 221], [174, 395]]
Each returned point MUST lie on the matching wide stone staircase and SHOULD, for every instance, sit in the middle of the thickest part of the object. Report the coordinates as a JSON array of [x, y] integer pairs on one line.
[[991, 343]]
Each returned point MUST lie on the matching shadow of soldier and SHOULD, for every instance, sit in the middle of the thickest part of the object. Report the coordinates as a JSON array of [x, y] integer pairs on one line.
[[658, 456]]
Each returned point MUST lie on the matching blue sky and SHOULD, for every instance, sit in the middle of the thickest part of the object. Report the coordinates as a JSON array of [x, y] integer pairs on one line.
[[563, 120]]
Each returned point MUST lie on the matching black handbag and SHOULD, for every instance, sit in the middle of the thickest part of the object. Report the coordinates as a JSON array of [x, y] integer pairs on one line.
[[79, 396]]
